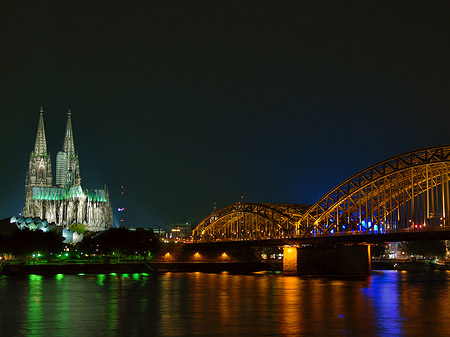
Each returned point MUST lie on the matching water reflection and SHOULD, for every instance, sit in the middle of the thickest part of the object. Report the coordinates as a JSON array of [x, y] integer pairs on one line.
[[383, 299], [290, 300], [100, 279], [387, 303], [33, 323]]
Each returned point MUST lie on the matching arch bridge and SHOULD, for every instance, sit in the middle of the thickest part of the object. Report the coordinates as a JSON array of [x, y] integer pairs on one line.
[[405, 193]]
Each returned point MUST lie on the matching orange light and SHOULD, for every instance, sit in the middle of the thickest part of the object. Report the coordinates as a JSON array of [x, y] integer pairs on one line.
[[290, 260]]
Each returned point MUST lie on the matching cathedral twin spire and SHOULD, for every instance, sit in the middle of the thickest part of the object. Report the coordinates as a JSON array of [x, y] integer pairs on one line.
[[67, 165], [40, 147]]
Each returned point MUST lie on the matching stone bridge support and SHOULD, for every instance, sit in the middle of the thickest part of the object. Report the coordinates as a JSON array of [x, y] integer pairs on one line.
[[327, 260]]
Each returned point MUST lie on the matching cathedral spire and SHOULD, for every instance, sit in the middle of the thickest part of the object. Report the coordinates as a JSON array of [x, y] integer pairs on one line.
[[68, 167], [40, 147], [69, 146]]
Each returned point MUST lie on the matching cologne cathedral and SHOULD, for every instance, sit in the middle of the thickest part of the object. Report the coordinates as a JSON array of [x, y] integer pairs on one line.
[[65, 202]]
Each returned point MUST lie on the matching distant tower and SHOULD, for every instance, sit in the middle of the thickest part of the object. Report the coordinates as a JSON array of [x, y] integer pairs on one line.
[[61, 168], [121, 208]]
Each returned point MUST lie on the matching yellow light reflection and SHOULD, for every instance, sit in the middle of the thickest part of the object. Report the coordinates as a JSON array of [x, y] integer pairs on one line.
[[290, 260]]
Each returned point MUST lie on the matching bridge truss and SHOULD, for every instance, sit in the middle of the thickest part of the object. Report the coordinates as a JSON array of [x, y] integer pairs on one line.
[[409, 191], [405, 193], [250, 220]]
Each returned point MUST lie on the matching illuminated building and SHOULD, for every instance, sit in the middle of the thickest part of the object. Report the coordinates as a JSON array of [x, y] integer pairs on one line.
[[180, 231], [66, 202]]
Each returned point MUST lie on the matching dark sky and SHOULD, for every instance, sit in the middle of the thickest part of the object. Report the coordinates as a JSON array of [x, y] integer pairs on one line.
[[184, 104]]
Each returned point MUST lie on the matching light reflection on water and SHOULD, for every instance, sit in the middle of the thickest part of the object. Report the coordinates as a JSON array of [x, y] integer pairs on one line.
[[388, 303]]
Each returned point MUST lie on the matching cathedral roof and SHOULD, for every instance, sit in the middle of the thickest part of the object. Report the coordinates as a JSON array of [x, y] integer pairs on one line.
[[97, 195], [57, 193], [61, 193]]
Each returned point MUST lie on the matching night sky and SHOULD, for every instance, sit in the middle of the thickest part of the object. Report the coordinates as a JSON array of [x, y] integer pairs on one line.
[[186, 104]]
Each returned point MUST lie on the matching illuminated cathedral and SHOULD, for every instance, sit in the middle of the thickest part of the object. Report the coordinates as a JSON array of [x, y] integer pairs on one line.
[[65, 202]]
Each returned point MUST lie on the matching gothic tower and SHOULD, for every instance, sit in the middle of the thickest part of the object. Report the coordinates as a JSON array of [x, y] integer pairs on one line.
[[40, 167], [39, 174], [67, 164]]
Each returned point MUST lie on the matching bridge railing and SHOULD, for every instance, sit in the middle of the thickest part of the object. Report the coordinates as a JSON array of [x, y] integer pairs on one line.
[[337, 234]]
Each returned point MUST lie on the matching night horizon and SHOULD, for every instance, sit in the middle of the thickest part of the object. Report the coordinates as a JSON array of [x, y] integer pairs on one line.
[[188, 106]]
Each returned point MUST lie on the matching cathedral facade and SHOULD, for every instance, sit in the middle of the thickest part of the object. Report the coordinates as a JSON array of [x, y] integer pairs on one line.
[[65, 202]]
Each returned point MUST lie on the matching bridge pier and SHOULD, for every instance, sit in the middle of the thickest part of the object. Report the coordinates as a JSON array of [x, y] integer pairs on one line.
[[327, 260]]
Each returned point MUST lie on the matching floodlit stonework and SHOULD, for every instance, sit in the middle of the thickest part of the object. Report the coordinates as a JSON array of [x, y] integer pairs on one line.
[[66, 202]]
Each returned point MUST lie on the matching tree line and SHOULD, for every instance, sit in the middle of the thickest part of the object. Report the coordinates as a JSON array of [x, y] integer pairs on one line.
[[120, 241]]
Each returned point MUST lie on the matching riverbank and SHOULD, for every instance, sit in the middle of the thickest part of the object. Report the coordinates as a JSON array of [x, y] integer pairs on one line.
[[138, 267], [401, 265], [149, 267]]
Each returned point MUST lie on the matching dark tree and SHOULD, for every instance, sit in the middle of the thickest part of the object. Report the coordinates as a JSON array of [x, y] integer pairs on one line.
[[27, 241], [121, 241], [378, 250], [428, 249]]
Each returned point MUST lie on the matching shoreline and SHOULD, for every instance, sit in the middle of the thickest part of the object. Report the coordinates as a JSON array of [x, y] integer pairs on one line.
[[139, 267], [155, 267]]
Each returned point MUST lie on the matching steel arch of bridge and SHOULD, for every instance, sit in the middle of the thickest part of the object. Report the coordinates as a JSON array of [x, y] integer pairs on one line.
[[250, 220], [409, 191], [403, 193]]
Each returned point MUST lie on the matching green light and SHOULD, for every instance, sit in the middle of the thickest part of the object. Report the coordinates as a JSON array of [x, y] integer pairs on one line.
[[136, 276], [100, 279], [33, 307], [59, 277], [81, 274], [113, 274], [144, 274], [34, 277], [61, 193], [125, 275]]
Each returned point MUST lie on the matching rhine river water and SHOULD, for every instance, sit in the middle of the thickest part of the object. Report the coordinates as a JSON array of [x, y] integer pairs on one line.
[[387, 303]]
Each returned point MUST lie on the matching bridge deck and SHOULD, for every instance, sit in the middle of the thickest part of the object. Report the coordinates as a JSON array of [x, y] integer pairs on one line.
[[435, 233]]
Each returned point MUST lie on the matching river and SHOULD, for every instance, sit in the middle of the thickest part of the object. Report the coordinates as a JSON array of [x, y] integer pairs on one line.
[[387, 303]]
